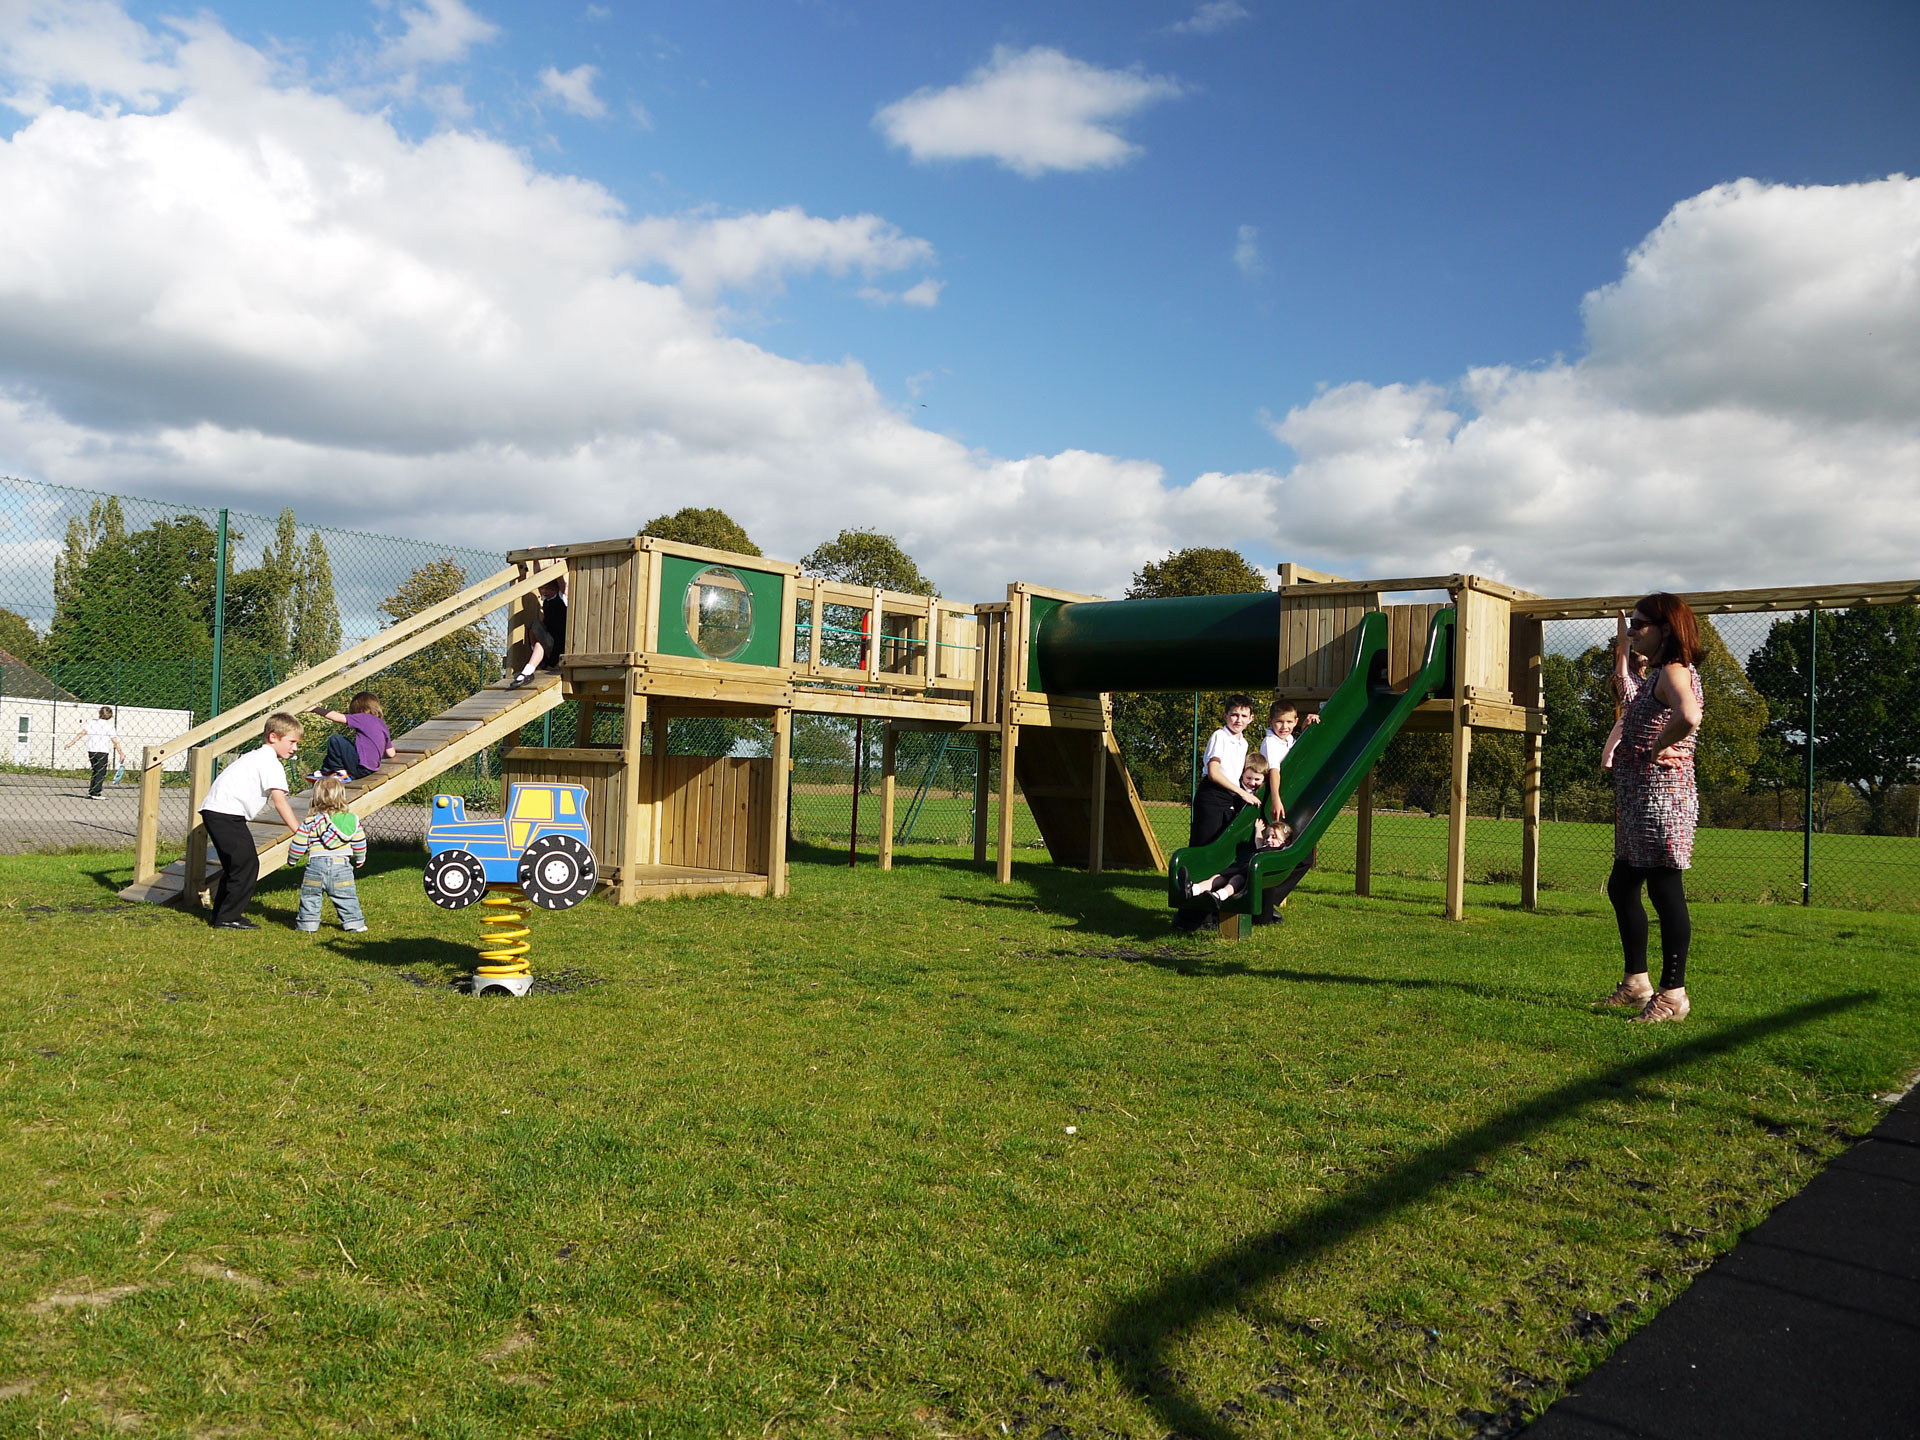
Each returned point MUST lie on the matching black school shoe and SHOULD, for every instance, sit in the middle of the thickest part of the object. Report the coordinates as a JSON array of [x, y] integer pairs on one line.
[[241, 924], [1268, 919]]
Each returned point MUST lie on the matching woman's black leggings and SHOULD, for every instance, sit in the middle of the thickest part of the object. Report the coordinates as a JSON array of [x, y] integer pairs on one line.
[[1669, 903]]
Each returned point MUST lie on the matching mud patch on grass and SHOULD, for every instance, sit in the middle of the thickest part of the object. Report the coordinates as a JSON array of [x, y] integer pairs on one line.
[[81, 1299]]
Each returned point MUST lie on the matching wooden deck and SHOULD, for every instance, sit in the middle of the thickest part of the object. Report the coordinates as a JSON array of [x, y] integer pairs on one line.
[[667, 882]]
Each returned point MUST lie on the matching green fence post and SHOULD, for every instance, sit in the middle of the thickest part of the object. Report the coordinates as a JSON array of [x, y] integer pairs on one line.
[[1806, 820], [219, 608]]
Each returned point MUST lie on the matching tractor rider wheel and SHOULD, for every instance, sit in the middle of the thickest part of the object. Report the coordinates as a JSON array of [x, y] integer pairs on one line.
[[557, 872], [454, 879]]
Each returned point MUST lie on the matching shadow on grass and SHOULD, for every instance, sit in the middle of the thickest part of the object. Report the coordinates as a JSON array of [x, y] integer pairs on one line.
[[1137, 1332], [403, 951]]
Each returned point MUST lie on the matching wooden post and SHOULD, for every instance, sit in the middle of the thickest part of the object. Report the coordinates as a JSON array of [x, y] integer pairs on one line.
[[1527, 673], [583, 726], [777, 811], [887, 742], [1097, 819], [1530, 823], [146, 834], [1009, 748], [980, 768], [1457, 814], [1363, 840], [199, 781], [657, 793], [633, 819]]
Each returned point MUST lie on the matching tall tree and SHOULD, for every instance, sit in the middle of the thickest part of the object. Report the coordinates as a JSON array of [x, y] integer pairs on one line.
[[867, 558], [1867, 701], [316, 618], [1156, 729], [18, 637], [695, 525], [431, 679]]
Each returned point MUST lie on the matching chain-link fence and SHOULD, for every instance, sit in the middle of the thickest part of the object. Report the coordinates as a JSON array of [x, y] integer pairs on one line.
[[138, 607]]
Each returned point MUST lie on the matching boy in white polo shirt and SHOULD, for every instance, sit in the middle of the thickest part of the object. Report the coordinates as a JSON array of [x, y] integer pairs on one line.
[[1220, 795], [244, 789]]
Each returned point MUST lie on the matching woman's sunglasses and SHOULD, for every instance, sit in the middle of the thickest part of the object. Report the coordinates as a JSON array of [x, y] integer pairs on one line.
[[1634, 622]]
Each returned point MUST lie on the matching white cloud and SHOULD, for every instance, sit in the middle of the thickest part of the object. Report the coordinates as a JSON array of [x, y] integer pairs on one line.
[[1032, 110], [1748, 413], [1246, 251], [710, 254], [265, 294], [574, 89], [436, 32], [47, 46], [1210, 17], [924, 295]]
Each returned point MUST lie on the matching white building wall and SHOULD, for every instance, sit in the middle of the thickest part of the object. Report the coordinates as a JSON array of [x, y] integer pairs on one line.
[[32, 732]]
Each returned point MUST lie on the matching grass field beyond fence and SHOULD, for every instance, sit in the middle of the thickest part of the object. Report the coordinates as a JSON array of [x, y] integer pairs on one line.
[[907, 1154], [1762, 866]]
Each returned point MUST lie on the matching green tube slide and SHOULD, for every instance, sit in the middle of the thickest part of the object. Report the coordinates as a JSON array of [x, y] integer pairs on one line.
[[1193, 642], [1328, 762]]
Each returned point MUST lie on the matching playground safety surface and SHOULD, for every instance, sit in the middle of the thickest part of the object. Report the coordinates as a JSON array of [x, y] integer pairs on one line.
[[1809, 1326]]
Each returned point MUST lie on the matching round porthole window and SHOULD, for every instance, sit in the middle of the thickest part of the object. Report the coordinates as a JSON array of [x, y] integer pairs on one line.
[[719, 613]]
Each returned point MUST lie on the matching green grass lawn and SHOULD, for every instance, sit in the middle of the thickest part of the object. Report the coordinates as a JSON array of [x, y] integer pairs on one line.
[[907, 1154], [1764, 866]]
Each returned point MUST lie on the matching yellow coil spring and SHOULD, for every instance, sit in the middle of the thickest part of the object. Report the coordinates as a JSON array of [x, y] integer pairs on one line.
[[503, 943]]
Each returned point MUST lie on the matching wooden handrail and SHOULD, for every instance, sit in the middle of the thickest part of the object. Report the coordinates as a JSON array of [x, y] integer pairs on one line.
[[1723, 602], [396, 642]]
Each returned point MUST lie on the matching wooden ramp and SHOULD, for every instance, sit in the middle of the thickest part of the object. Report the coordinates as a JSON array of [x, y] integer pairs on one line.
[[455, 734], [1055, 769]]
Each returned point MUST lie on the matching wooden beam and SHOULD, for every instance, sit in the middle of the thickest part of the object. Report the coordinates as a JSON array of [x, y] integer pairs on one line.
[[1363, 839], [199, 781], [1009, 747], [886, 797], [707, 554], [1725, 602], [535, 554], [1530, 823], [984, 755], [583, 722], [777, 810], [656, 794], [632, 816], [1457, 817], [1097, 817], [1364, 587], [146, 833], [956, 711]]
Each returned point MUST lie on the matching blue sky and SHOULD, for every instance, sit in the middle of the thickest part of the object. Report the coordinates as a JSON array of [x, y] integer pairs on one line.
[[1432, 186], [1308, 199]]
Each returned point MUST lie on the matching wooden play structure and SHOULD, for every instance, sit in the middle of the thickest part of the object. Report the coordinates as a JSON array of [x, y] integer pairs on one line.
[[660, 631]]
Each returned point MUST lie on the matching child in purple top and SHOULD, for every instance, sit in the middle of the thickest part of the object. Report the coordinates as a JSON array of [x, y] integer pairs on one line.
[[358, 753]]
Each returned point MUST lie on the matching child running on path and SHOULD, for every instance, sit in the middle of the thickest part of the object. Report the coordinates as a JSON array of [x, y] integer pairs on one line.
[[102, 741], [332, 846], [244, 789]]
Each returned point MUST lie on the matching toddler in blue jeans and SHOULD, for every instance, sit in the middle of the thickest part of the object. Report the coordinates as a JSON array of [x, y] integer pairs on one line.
[[333, 846]]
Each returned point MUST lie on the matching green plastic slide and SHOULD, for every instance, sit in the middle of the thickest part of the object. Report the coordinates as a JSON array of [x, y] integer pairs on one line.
[[1327, 762]]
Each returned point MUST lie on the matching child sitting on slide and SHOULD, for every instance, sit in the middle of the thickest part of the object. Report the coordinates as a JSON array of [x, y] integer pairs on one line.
[[1216, 890], [367, 741]]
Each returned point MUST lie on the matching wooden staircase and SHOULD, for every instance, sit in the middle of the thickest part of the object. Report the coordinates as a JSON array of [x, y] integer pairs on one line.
[[454, 735]]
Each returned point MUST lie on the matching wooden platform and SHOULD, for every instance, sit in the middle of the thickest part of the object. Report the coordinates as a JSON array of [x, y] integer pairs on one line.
[[454, 735], [666, 882]]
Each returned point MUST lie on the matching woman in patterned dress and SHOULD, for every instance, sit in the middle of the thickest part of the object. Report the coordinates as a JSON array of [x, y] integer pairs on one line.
[[1657, 805]]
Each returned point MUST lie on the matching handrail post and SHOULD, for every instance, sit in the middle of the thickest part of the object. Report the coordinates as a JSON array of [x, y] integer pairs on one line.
[[146, 831], [199, 781]]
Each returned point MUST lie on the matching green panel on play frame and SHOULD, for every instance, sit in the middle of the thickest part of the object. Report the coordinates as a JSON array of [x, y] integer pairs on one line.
[[719, 612]]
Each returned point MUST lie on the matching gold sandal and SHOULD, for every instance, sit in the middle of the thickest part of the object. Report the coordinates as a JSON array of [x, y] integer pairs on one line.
[[1627, 993], [1665, 1005]]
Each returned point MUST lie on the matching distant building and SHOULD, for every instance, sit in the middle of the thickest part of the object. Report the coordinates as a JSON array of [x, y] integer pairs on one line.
[[40, 716]]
